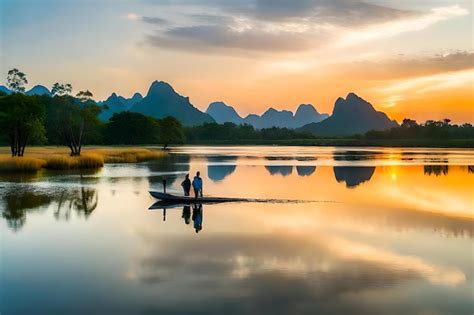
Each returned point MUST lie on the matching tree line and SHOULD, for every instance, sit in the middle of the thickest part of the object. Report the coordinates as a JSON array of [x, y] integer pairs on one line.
[[73, 121]]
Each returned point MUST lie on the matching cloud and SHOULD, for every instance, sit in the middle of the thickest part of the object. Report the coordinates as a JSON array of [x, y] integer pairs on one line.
[[399, 26], [410, 66], [280, 25]]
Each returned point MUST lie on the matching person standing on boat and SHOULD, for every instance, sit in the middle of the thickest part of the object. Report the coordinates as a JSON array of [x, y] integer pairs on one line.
[[197, 185], [186, 184]]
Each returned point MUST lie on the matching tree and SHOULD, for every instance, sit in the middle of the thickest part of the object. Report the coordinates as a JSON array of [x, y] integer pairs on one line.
[[16, 80], [21, 119], [71, 124], [170, 131], [132, 128], [84, 96], [61, 89]]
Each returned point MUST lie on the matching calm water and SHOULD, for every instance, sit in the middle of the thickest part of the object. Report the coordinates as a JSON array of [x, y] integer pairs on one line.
[[388, 231]]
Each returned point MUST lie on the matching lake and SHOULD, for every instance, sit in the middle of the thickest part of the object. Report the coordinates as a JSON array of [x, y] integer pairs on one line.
[[368, 231]]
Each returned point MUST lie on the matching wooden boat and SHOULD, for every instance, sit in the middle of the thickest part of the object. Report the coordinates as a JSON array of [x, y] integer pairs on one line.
[[189, 200]]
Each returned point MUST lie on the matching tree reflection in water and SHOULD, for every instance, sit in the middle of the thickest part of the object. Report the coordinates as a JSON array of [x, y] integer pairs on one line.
[[83, 201], [436, 170], [19, 201]]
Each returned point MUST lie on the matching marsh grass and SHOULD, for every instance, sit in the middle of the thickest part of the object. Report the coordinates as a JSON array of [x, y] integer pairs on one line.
[[85, 161], [58, 158], [128, 155], [23, 164]]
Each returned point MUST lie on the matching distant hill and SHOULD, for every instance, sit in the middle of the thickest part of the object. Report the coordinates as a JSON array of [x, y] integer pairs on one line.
[[38, 90], [162, 100], [350, 116], [306, 113], [116, 104], [4, 89], [223, 113]]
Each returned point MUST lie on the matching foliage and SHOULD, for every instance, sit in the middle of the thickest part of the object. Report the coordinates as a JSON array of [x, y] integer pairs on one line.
[[135, 128], [435, 130], [84, 96], [132, 128], [21, 120], [16, 81], [170, 131], [61, 89], [72, 124], [233, 132]]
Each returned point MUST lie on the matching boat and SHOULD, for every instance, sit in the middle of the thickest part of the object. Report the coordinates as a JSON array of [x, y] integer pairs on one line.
[[170, 198]]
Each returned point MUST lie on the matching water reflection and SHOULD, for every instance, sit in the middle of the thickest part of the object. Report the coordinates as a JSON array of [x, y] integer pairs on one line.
[[217, 173], [283, 170], [353, 176], [17, 202], [20, 201], [197, 217], [305, 170], [401, 243], [84, 201], [436, 170], [278, 274]]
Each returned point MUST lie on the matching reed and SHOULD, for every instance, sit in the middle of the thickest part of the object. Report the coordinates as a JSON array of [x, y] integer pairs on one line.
[[58, 158], [128, 155], [85, 161], [21, 164]]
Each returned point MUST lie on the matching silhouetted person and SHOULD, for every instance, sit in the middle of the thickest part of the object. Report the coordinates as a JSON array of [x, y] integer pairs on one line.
[[186, 184], [186, 214], [197, 217], [197, 185]]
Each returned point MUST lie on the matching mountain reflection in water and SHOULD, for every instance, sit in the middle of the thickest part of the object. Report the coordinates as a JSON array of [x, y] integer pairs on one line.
[[396, 238]]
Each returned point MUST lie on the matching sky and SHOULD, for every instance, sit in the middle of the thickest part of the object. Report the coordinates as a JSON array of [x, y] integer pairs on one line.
[[408, 58]]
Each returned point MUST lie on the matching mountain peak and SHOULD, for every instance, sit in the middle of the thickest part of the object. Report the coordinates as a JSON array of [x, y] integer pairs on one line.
[[158, 87], [136, 96], [38, 90], [221, 112], [305, 109]]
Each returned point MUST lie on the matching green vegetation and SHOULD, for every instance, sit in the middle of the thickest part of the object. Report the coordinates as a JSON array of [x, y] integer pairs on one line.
[[72, 122]]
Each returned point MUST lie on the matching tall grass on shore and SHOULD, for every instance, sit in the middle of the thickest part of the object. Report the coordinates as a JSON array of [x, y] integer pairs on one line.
[[128, 155], [57, 158], [23, 164], [62, 162]]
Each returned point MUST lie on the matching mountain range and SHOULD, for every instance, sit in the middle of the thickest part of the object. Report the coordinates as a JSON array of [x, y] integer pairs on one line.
[[305, 114], [116, 104], [350, 116], [162, 100], [36, 90]]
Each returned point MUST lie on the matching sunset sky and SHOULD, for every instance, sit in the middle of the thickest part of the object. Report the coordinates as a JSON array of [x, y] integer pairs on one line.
[[409, 58]]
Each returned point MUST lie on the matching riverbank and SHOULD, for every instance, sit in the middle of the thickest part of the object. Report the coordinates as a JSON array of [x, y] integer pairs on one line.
[[58, 158]]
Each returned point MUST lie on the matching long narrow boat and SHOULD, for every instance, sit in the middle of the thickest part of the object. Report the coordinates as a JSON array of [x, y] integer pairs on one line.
[[188, 200]]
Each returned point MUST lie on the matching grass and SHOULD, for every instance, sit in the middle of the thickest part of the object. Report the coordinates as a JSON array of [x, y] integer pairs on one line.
[[58, 158], [26, 164], [128, 155]]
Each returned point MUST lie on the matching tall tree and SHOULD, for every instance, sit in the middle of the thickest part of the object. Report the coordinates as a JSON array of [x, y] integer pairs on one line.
[[132, 128], [21, 119], [84, 96], [171, 131], [72, 124], [61, 89], [16, 80]]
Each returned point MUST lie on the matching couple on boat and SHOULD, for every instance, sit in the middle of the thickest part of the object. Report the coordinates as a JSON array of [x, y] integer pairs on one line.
[[197, 185]]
